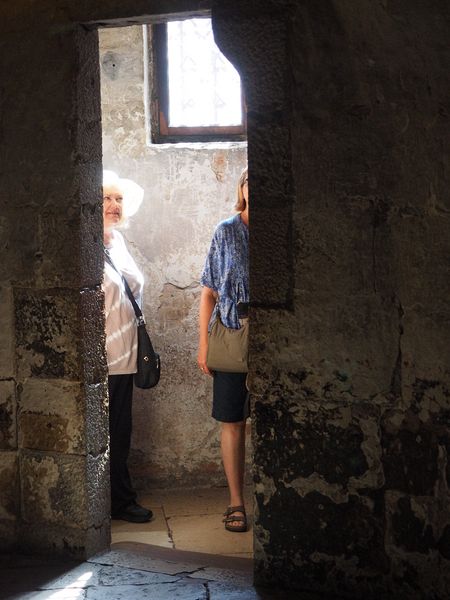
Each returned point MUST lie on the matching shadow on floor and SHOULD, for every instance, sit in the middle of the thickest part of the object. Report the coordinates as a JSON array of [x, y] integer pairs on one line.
[[131, 571]]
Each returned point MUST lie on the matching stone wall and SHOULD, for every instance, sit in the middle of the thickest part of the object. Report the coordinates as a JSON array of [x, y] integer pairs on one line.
[[189, 188], [351, 419], [53, 432]]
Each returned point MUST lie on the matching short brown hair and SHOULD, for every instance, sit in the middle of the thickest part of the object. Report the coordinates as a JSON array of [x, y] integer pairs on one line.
[[240, 202]]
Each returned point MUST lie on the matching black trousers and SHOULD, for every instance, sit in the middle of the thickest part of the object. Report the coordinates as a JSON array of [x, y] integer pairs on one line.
[[120, 401]]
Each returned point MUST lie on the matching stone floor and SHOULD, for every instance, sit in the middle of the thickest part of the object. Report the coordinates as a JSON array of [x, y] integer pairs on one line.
[[183, 554], [189, 519]]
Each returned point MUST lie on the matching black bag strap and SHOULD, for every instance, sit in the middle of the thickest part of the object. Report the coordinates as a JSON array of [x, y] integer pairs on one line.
[[139, 316]]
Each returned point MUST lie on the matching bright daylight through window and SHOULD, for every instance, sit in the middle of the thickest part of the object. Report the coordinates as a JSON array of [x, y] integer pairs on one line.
[[196, 92]]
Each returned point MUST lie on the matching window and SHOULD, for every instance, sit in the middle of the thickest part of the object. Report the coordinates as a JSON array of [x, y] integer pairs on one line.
[[196, 92]]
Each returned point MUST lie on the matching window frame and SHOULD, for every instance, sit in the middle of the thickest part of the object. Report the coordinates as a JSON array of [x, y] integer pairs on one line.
[[160, 132]]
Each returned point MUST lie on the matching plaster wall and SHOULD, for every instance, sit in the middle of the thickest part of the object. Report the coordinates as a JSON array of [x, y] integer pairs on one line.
[[189, 188]]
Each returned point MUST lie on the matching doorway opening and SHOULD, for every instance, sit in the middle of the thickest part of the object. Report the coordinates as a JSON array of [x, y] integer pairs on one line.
[[189, 187]]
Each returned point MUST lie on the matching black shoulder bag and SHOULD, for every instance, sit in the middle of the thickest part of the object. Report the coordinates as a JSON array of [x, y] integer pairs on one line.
[[148, 361]]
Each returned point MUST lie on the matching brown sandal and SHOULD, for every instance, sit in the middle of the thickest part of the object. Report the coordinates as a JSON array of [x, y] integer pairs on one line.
[[232, 519]]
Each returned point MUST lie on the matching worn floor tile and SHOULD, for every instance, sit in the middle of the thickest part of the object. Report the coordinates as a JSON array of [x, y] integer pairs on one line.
[[145, 562], [80, 576], [232, 577], [158, 538], [154, 532], [69, 594], [16, 580], [164, 560], [206, 533], [113, 576], [171, 591], [158, 523], [198, 501], [223, 591]]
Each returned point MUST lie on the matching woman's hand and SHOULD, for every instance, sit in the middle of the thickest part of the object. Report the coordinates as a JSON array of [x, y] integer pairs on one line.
[[201, 358], [207, 303]]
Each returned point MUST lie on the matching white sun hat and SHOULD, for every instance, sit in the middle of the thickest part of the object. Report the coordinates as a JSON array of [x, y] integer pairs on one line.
[[132, 192]]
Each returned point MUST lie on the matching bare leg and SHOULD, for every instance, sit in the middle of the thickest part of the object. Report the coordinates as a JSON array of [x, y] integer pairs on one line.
[[233, 456]]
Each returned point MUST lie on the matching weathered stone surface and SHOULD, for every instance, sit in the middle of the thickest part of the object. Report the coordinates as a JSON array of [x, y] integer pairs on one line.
[[8, 535], [7, 328], [89, 574], [255, 32], [91, 316], [410, 453], [62, 416], [51, 416], [54, 490], [47, 329], [97, 423], [333, 445], [120, 576], [230, 591], [417, 528], [8, 426], [368, 331], [9, 486], [185, 590], [89, 176], [41, 538], [16, 256], [98, 490]]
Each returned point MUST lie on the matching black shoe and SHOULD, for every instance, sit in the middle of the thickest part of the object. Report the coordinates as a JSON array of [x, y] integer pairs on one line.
[[133, 513]]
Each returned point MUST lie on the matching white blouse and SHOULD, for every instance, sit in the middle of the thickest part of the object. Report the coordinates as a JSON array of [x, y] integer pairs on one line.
[[121, 323]]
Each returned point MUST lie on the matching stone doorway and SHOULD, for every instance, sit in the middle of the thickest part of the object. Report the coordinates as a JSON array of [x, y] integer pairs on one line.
[[189, 188], [54, 457]]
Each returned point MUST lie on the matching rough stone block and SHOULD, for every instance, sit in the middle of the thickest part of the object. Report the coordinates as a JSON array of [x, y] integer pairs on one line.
[[411, 524], [8, 535], [48, 333], [98, 490], [52, 416], [8, 431], [96, 421], [91, 315], [271, 278], [7, 339], [87, 90], [65, 541], [18, 251], [316, 526], [270, 174], [9, 486], [53, 490], [240, 36], [410, 453], [334, 449], [417, 529], [60, 246], [92, 259], [425, 350]]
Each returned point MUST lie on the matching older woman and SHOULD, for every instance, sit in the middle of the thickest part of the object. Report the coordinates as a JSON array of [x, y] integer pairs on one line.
[[225, 295], [121, 199]]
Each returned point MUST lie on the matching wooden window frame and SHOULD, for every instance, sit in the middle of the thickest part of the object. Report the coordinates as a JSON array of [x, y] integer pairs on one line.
[[159, 102]]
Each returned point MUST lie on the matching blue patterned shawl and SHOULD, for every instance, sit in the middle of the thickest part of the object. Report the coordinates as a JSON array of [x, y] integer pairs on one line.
[[226, 269]]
